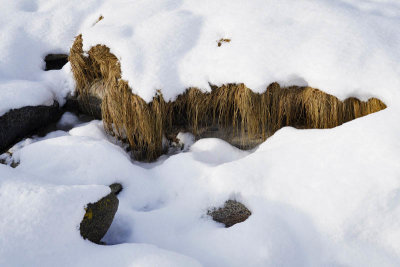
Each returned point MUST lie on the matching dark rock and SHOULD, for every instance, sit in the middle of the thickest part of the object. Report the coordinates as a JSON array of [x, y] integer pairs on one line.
[[71, 104], [91, 107], [231, 213], [55, 61], [116, 188], [90, 103], [99, 216], [19, 123]]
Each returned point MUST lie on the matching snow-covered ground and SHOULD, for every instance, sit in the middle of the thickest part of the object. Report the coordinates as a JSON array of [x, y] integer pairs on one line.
[[317, 197], [344, 47]]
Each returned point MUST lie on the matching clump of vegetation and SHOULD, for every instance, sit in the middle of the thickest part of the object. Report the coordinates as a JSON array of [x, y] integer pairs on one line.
[[234, 106], [98, 20], [223, 40]]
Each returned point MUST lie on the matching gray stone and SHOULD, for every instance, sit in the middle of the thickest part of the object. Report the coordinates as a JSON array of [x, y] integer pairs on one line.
[[116, 188], [231, 213], [99, 216]]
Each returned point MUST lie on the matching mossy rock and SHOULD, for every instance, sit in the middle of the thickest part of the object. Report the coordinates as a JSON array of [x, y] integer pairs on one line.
[[99, 216], [231, 213]]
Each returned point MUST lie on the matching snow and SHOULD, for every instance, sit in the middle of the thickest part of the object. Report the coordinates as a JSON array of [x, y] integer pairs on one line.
[[68, 120], [18, 94], [93, 129], [216, 151], [340, 47], [344, 47], [318, 197], [41, 223], [29, 30], [186, 140]]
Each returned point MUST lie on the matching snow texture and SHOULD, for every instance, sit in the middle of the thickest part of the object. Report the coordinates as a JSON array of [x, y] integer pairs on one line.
[[346, 48], [317, 197]]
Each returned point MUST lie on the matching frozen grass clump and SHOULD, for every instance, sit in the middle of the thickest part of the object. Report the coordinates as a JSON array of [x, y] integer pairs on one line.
[[143, 125]]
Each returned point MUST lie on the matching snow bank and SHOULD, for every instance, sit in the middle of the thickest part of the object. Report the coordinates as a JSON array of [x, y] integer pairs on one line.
[[28, 31], [39, 226], [53, 86], [17, 94], [346, 48], [317, 197]]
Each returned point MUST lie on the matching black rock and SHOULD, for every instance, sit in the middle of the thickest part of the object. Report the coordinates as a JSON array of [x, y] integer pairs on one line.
[[116, 188], [89, 105], [231, 213], [55, 61], [19, 123], [99, 216]]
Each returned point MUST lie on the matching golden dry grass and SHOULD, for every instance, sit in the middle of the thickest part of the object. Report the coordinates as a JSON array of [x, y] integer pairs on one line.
[[223, 40], [143, 125]]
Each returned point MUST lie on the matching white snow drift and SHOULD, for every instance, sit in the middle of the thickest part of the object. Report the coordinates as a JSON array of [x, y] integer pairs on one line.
[[346, 48]]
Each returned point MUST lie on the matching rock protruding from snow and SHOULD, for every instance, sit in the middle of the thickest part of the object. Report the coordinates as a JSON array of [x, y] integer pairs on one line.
[[90, 103], [19, 123], [55, 61], [99, 215], [116, 188], [231, 213]]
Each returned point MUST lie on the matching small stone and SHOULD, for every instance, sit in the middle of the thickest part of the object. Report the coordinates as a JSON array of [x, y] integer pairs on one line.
[[231, 213], [116, 188], [99, 216]]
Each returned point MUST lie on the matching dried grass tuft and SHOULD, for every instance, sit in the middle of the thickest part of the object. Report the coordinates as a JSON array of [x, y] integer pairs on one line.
[[235, 107], [223, 40]]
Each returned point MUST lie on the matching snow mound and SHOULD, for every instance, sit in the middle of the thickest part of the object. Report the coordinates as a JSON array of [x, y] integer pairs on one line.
[[318, 198], [344, 47], [216, 151], [341, 48], [29, 30]]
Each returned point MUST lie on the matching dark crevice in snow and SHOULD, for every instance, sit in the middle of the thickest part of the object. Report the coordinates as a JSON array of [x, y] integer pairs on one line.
[[55, 61]]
